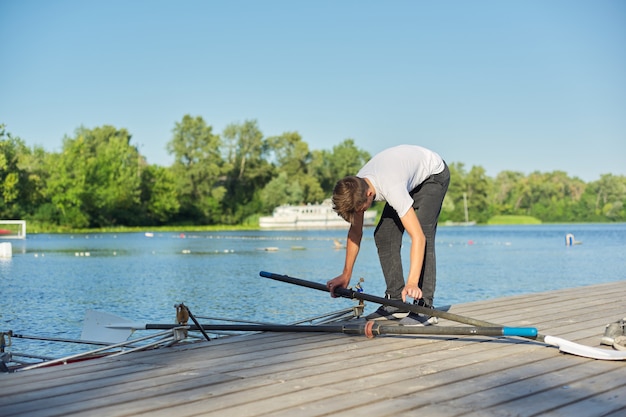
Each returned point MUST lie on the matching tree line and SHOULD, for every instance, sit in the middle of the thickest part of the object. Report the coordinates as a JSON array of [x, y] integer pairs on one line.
[[99, 179]]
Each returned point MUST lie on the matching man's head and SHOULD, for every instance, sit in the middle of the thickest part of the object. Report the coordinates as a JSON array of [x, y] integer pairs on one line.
[[351, 196]]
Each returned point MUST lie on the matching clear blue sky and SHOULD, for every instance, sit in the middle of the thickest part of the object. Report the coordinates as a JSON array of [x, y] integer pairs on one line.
[[508, 85]]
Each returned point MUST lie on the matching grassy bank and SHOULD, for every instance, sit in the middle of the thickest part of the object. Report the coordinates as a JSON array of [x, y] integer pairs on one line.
[[37, 228], [511, 220]]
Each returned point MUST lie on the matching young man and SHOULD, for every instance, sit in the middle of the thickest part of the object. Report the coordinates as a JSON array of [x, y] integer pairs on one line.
[[413, 181]]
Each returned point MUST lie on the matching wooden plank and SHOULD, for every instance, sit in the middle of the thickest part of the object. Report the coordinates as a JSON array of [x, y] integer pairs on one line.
[[94, 401], [321, 382]]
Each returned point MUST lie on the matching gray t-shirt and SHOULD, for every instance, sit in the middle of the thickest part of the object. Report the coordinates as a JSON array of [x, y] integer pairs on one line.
[[396, 171]]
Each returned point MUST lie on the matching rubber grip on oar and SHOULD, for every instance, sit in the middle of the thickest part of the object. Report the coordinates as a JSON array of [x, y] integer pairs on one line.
[[519, 331]]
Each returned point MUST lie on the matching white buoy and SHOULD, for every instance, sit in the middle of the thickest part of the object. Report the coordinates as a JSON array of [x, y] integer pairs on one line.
[[6, 250], [570, 240]]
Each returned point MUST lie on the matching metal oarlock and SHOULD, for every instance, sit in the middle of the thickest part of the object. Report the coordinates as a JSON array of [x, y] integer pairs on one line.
[[615, 335], [360, 308]]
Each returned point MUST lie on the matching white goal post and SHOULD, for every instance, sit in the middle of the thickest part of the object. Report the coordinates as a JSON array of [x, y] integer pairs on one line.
[[12, 229]]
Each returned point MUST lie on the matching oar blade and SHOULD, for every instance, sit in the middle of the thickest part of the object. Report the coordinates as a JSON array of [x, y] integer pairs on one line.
[[96, 327], [585, 351]]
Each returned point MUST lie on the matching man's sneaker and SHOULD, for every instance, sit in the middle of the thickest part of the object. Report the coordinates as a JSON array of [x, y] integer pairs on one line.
[[413, 319], [387, 313]]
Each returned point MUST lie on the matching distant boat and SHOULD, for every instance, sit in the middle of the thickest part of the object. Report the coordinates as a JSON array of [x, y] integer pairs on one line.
[[309, 216], [467, 222]]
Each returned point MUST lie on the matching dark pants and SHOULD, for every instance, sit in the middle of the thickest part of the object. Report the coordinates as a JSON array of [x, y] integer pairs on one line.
[[427, 200]]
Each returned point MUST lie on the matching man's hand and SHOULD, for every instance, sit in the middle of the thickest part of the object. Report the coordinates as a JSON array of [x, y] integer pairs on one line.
[[411, 290], [341, 281]]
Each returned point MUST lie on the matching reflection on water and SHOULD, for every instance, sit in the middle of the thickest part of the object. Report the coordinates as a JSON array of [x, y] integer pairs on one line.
[[51, 280]]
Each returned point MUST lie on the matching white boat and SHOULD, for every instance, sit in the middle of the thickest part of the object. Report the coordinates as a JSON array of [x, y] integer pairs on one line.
[[309, 216], [467, 221]]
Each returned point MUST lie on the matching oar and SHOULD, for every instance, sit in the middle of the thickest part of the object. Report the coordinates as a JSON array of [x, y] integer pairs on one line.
[[348, 293], [369, 329], [57, 339], [563, 345]]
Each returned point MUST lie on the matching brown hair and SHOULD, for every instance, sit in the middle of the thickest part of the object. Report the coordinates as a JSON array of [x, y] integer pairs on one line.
[[349, 196]]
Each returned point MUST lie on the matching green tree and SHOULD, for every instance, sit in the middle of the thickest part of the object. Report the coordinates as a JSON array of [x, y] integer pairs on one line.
[[198, 168], [346, 159], [281, 190], [452, 208], [330, 166], [503, 197], [66, 185], [555, 197], [22, 177], [477, 187], [159, 195], [249, 171], [94, 181], [33, 165], [320, 168], [246, 148], [605, 199], [550, 196], [293, 159]]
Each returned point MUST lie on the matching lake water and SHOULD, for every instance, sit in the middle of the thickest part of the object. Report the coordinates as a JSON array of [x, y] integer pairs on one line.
[[51, 280]]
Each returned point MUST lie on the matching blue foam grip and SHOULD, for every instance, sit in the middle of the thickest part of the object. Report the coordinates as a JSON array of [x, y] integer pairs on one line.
[[519, 331]]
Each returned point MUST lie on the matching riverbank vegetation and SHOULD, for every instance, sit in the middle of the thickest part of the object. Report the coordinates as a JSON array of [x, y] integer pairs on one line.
[[99, 180]]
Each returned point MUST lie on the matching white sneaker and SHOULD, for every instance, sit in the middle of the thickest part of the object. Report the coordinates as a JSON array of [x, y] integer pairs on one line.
[[387, 313], [413, 319]]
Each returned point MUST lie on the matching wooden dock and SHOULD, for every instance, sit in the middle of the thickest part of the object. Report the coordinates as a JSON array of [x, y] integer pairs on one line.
[[313, 374]]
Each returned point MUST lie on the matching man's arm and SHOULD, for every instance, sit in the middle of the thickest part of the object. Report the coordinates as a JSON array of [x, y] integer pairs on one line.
[[418, 247], [353, 244]]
